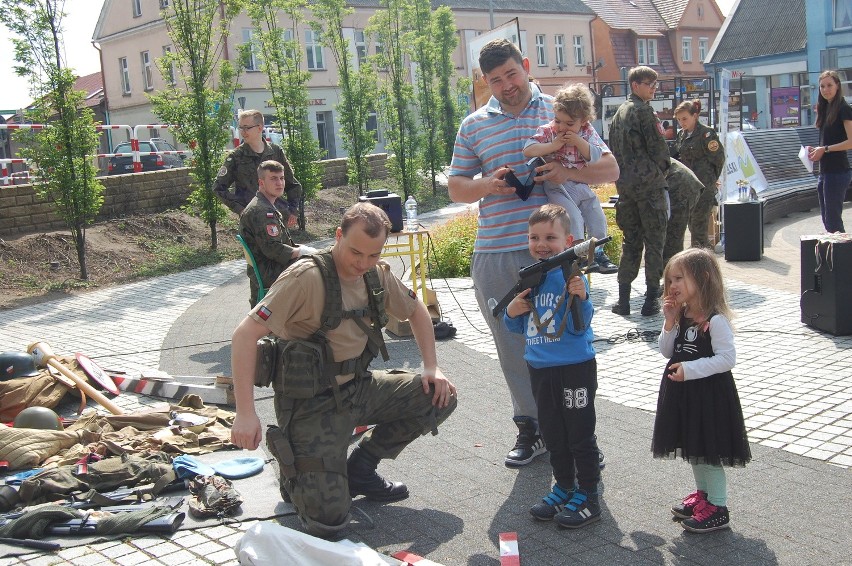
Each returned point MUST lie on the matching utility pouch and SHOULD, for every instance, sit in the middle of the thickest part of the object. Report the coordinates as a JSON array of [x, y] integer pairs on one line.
[[267, 361], [302, 368]]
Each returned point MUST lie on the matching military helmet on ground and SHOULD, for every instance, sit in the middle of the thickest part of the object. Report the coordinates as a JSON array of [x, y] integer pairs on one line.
[[38, 417], [16, 364]]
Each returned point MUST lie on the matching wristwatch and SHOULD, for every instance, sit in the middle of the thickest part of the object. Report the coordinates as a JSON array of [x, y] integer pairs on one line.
[[825, 149]]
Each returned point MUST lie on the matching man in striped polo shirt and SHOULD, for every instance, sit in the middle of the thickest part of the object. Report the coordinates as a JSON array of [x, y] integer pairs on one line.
[[490, 141]]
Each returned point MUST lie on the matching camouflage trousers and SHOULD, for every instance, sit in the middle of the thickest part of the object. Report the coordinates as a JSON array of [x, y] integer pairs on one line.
[[681, 209], [699, 219], [392, 400], [642, 221]]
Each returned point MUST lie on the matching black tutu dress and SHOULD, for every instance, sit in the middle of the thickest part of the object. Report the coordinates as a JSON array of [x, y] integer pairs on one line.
[[699, 420]]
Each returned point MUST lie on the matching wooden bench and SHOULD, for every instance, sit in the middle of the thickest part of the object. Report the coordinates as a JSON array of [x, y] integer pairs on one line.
[[791, 188]]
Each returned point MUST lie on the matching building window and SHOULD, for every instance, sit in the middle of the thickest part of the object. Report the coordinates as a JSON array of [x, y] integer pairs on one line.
[[289, 53], [842, 14], [170, 65], [579, 57], [701, 11], [147, 71], [373, 125], [559, 46], [313, 49], [540, 53], [702, 49], [137, 8], [360, 46], [646, 51], [252, 60], [164, 4], [125, 75], [686, 49]]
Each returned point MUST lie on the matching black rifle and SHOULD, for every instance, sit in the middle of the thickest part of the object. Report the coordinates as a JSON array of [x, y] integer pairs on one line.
[[87, 525], [533, 275]]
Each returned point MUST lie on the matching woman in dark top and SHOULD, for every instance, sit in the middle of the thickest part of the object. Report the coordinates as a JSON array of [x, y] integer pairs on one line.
[[834, 120]]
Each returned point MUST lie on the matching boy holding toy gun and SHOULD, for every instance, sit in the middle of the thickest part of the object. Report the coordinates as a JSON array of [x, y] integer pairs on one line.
[[563, 372]]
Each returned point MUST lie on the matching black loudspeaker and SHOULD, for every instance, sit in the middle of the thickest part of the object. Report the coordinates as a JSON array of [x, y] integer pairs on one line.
[[390, 203], [826, 280], [743, 224]]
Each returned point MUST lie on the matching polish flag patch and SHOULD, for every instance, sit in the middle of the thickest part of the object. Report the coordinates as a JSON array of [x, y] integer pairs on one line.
[[264, 313]]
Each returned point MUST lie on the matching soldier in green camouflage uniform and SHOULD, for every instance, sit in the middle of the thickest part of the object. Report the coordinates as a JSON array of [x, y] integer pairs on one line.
[[315, 428], [697, 146], [684, 188], [636, 139], [240, 169], [264, 230]]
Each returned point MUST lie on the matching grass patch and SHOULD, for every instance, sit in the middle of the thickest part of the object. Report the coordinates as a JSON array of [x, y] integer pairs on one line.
[[173, 258]]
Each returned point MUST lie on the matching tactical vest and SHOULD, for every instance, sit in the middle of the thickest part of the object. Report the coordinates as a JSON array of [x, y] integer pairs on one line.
[[301, 369]]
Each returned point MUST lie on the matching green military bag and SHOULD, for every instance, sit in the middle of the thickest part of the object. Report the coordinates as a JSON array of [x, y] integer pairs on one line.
[[268, 361], [302, 369]]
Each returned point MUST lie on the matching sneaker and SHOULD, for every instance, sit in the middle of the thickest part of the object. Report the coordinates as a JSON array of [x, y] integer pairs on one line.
[[604, 264], [528, 444], [581, 509], [552, 503], [684, 509], [706, 518]]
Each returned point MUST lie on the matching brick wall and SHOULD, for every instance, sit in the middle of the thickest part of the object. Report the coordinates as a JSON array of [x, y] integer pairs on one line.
[[23, 212]]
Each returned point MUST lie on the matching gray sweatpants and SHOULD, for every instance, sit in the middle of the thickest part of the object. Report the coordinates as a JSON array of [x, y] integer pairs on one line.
[[494, 274]]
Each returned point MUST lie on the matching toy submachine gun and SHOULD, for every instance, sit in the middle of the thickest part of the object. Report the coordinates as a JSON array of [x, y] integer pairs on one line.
[[533, 275]]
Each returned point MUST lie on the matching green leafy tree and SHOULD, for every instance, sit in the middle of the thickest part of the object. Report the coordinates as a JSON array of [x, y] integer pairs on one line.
[[62, 152], [396, 93], [282, 60], [200, 101], [357, 83], [423, 52], [445, 41]]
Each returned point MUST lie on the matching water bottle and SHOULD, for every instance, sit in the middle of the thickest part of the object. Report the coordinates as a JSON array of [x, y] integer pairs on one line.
[[411, 214]]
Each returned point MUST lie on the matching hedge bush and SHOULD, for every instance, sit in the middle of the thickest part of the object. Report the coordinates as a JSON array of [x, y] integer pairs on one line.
[[452, 245]]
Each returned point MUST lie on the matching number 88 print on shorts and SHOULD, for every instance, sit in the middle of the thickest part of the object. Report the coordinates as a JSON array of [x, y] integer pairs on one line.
[[576, 398]]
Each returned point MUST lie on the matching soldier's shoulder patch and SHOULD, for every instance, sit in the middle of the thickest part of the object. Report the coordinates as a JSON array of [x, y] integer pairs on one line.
[[412, 294], [222, 171], [273, 230], [708, 134], [264, 312], [270, 215], [713, 145]]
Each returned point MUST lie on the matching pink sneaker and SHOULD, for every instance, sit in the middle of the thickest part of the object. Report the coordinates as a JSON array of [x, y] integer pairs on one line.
[[706, 518], [685, 508]]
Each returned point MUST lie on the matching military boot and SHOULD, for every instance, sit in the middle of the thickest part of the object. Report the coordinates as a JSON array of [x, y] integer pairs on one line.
[[364, 480], [622, 307], [652, 301]]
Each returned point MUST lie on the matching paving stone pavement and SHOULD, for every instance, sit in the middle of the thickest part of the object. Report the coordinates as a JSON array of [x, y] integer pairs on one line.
[[789, 505]]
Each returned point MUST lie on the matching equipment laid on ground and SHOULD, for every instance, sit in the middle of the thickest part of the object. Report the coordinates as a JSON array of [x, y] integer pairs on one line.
[[16, 364], [826, 274], [218, 390], [94, 371], [45, 357], [40, 418]]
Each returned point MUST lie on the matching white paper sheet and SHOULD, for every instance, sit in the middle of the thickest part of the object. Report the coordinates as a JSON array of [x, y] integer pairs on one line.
[[803, 155]]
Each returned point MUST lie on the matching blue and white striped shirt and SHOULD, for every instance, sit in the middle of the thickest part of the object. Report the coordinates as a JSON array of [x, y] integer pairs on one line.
[[489, 139]]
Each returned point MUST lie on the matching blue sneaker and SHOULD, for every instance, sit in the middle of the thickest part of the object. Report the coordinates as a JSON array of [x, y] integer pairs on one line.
[[552, 503], [583, 508]]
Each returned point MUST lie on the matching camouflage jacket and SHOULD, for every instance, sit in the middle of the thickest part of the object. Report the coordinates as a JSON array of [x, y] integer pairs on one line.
[[702, 153], [684, 186], [264, 229], [637, 142], [240, 170]]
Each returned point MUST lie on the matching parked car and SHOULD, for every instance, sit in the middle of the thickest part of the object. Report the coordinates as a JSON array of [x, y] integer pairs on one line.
[[124, 164]]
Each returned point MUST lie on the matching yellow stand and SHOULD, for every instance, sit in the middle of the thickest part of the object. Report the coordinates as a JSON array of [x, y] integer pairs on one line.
[[413, 246]]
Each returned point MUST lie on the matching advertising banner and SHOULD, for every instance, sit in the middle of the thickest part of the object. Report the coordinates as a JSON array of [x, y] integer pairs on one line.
[[511, 31], [740, 164]]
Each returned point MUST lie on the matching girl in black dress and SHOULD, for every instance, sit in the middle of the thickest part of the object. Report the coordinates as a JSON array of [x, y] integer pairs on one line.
[[699, 417]]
